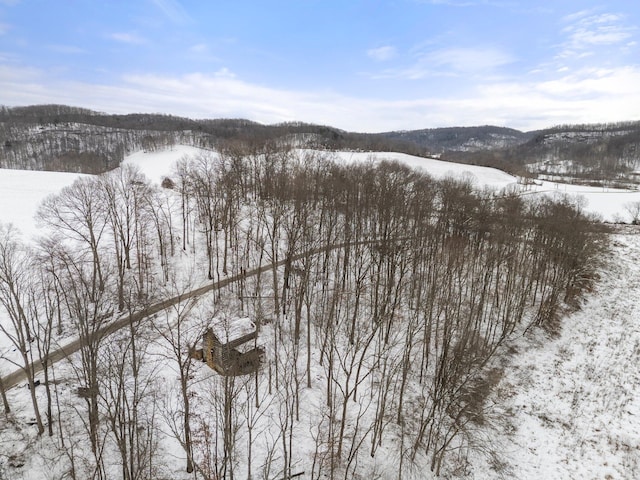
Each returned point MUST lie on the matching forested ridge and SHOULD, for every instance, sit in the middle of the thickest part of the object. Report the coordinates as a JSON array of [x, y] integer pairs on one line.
[[63, 138], [594, 154], [72, 139], [378, 355]]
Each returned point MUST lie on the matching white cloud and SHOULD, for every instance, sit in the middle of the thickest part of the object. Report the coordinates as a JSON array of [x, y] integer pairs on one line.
[[66, 49], [4, 28], [173, 11], [469, 59], [130, 38], [582, 96], [381, 54], [201, 52], [588, 30], [593, 83], [449, 62], [199, 48], [224, 72]]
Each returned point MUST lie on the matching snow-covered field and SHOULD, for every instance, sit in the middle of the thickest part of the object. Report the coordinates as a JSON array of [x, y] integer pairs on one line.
[[157, 165], [22, 190], [607, 203], [566, 406]]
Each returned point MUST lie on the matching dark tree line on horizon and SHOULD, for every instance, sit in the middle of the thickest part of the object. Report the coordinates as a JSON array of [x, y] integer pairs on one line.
[[63, 138]]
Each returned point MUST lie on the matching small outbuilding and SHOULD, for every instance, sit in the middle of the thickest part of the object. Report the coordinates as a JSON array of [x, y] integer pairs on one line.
[[230, 346]]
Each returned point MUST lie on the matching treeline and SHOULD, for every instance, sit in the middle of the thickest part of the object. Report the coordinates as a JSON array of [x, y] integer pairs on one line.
[[58, 137], [78, 148], [463, 139], [600, 152], [394, 294], [62, 138]]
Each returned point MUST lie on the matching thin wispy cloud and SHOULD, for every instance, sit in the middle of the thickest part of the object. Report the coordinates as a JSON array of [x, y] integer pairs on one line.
[[382, 54], [199, 48], [592, 83], [202, 52], [130, 38], [469, 3], [451, 3], [173, 11], [588, 30], [454, 61], [4, 28], [6, 57], [66, 49], [468, 60]]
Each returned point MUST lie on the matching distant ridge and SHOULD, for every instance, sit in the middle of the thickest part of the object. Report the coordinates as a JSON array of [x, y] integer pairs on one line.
[[67, 138], [440, 140]]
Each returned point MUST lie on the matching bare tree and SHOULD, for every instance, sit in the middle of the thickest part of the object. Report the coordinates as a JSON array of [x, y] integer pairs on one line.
[[89, 309], [15, 285], [78, 212], [633, 209], [181, 330]]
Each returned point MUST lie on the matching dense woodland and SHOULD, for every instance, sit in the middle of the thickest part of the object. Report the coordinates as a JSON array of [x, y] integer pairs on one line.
[[390, 297], [589, 154], [62, 138]]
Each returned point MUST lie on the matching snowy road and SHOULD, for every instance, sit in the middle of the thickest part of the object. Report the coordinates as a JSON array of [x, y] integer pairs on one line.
[[63, 351]]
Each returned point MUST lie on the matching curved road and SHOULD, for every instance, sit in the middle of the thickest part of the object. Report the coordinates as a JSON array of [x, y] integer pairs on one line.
[[17, 376]]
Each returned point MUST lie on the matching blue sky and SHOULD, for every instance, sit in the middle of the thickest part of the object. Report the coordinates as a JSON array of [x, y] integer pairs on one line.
[[367, 66]]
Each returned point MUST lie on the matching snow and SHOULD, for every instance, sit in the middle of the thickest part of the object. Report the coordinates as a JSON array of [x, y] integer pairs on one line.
[[606, 203], [481, 176], [230, 329], [21, 191], [157, 165], [566, 406]]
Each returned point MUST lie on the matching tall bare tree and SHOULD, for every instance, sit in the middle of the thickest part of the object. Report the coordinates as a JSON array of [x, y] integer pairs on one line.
[[15, 285]]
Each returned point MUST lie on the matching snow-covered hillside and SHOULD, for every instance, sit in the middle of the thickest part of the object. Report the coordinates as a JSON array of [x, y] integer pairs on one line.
[[22, 190], [565, 406], [607, 203]]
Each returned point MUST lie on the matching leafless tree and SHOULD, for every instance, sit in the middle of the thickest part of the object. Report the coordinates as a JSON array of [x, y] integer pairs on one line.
[[181, 328], [633, 209], [78, 213], [15, 285]]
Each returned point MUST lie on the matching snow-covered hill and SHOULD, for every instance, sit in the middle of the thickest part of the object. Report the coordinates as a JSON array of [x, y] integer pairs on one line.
[[565, 406], [607, 203], [21, 191]]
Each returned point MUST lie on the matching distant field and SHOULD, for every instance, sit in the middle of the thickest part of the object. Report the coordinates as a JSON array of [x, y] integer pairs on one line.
[[22, 190]]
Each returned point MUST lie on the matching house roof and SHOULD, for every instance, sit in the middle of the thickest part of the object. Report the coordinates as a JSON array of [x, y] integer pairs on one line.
[[231, 329]]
